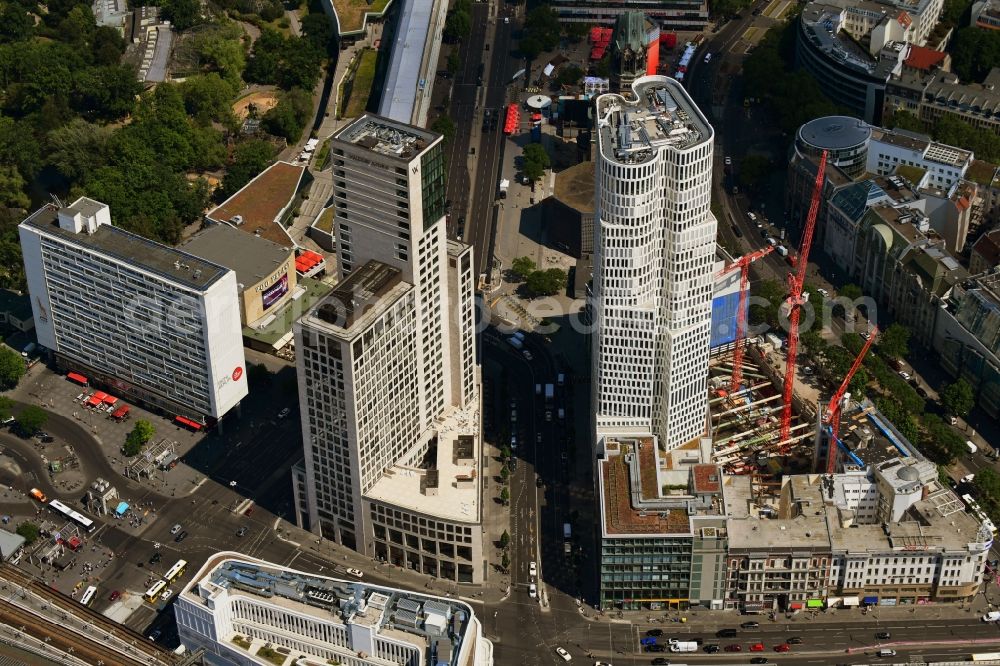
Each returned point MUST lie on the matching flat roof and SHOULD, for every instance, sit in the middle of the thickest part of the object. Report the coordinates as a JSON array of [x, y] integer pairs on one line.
[[456, 478], [261, 203], [251, 257], [575, 186], [387, 137], [659, 113], [164, 261], [361, 293], [835, 132], [392, 612], [747, 530], [277, 325], [403, 82]]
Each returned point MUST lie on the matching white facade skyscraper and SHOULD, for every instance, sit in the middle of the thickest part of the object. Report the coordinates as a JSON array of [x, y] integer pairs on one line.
[[388, 380], [654, 250]]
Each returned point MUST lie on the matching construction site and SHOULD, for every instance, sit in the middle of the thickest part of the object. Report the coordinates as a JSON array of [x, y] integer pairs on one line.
[[769, 417]]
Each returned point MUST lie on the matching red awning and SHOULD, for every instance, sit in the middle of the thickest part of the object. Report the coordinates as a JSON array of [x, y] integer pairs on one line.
[[120, 412], [100, 396], [796, 605], [110, 399], [188, 422], [93, 400], [512, 120], [76, 377]]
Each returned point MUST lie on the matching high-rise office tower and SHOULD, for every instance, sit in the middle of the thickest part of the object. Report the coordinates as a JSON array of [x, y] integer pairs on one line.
[[388, 380], [654, 251]]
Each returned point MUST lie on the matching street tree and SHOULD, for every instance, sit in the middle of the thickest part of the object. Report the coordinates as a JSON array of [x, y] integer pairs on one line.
[[754, 171], [6, 407], [457, 26], [504, 539], [31, 419], [987, 484], [504, 495], [444, 126], [523, 267], [12, 368], [893, 342], [546, 283], [504, 473], [851, 291], [29, 531], [958, 398], [505, 562]]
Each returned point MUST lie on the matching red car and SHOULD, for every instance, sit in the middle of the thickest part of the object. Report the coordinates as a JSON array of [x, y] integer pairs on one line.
[[735, 647], [757, 647], [248, 512], [784, 647], [114, 596]]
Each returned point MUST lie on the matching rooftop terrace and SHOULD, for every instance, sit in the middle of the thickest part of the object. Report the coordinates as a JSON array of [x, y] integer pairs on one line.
[[361, 294], [258, 207], [658, 114], [386, 137]]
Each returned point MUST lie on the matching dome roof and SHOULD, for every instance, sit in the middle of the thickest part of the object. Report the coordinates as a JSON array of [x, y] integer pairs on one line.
[[908, 473], [835, 133]]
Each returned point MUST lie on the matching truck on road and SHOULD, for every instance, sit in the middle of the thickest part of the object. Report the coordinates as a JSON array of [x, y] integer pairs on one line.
[[684, 646], [550, 394], [567, 531]]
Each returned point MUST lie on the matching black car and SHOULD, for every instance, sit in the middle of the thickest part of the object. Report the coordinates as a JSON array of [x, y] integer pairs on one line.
[[155, 558], [758, 660], [656, 648], [794, 640], [750, 625], [711, 649], [661, 661], [736, 230], [726, 633], [882, 635], [180, 536], [655, 632]]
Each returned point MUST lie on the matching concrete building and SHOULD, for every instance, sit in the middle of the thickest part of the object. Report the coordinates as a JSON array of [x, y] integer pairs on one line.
[[654, 255], [11, 547], [844, 139], [243, 611], [415, 35], [931, 96], [985, 15], [985, 253], [663, 532], [15, 310], [264, 270], [157, 325], [569, 212], [669, 14], [891, 148], [967, 337], [387, 369]]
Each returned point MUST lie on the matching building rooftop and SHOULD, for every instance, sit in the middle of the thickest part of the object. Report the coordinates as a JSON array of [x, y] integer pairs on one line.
[[403, 81], [417, 620], [448, 487], [931, 150], [15, 304], [988, 247], [275, 329], [659, 114], [817, 21], [387, 137], [575, 187], [834, 133], [258, 207], [252, 258], [923, 58], [360, 294], [9, 543], [798, 515], [166, 262]]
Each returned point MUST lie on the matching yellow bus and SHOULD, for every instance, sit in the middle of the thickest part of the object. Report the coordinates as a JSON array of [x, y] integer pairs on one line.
[[175, 572], [153, 593]]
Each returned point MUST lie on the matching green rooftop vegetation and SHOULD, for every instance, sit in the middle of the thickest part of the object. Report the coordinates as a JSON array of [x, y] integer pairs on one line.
[[357, 85], [351, 13], [911, 173]]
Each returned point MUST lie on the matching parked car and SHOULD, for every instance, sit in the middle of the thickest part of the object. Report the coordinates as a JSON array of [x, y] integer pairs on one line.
[[711, 648], [750, 625], [794, 640], [155, 558], [562, 653], [756, 647], [533, 570], [904, 374], [883, 635], [357, 573], [660, 661], [240, 532], [823, 292], [782, 647], [175, 529], [533, 591], [655, 648], [650, 639], [114, 596], [735, 647], [758, 660], [992, 616], [181, 536], [155, 635], [284, 412], [729, 161]]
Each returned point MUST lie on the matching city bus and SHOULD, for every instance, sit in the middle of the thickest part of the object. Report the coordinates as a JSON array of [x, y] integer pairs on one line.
[[85, 523], [88, 595], [986, 656], [153, 593], [175, 572]]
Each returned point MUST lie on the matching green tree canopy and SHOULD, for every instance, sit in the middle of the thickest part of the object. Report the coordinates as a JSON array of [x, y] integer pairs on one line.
[[536, 161], [249, 159], [851, 291], [457, 25], [444, 126], [523, 267], [940, 442], [893, 342], [29, 531], [547, 282], [182, 14], [31, 419], [958, 398], [569, 75], [12, 368], [289, 62], [754, 171], [504, 495], [208, 98], [504, 539], [290, 116]]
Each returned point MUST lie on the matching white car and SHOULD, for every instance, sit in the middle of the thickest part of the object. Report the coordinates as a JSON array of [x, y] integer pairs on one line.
[[807, 370], [284, 412], [823, 292], [729, 161], [506, 19], [357, 573], [992, 616], [708, 57], [167, 593], [753, 218], [533, 591], [533, 570], [968, 478], [904, 374], [527, 355], [772, 241], [866, 336], [175, 529], [562, 653]]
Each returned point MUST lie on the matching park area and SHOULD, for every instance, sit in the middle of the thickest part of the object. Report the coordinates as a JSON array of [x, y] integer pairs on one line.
[[262, 102]]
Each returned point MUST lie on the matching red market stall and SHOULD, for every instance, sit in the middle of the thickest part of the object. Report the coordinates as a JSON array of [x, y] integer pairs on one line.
[[76, 377], [513, 119], [109, 399], [184, 421], [121, 413]]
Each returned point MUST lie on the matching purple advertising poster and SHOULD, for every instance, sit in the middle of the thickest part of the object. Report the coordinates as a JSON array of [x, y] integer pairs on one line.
[[273, 294]]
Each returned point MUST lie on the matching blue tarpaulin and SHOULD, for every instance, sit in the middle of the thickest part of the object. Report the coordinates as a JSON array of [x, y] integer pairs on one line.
[[122, 508], [724, 319]]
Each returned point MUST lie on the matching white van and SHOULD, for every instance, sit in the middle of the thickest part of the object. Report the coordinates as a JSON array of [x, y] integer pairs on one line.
[[886, 652], [971, 446], [992, 616]]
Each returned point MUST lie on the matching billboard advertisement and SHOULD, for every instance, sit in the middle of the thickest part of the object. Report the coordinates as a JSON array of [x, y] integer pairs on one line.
[[273, 294]]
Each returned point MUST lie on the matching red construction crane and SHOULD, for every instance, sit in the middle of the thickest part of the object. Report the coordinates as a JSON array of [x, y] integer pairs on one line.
[[832, 416], [743, 263], [795, 300]]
